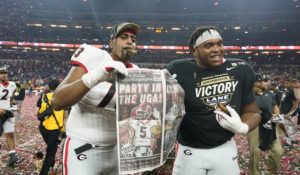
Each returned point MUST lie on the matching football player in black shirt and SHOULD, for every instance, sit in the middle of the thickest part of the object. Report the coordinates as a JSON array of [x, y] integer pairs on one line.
[[205, 135]]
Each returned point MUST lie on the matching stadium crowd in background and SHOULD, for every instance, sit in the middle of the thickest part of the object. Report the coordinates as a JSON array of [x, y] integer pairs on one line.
[[280, 73], [34, 66]]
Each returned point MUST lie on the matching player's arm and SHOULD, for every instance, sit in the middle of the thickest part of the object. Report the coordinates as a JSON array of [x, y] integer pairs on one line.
[[294, 108], [66, 114], [38, 106], [78, 83], [71, 89], [251, 115], [296, 86], [2, 112], [276, 110], [297, 93], [36, 111]]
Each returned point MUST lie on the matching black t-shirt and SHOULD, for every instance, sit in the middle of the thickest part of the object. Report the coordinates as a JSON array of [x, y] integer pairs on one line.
[[266, 103], [287, 102], [20, 94], [231, 83], [278, 96], [39, 101]]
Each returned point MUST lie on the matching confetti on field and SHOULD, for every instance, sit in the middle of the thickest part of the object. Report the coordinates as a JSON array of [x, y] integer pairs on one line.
[[29, 142]]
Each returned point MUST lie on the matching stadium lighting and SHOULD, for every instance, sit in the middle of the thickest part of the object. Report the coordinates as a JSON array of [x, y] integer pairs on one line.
[[246, 49], [61, 26], [237, 27], [158, 30], [35, 25], [235, 52], [176, 28]]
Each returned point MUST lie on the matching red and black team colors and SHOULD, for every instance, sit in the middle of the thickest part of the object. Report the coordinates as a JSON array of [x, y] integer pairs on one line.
[[7, 119], [90, 146], [149, 111]]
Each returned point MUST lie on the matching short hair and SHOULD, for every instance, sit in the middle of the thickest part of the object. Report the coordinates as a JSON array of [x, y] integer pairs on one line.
[[197, 33], [53, 84]]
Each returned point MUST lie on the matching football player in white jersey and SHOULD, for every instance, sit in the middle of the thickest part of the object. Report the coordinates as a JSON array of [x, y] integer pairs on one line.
[[7, 90], [143, 125], [144, 137], [143, 130], [90, 147]]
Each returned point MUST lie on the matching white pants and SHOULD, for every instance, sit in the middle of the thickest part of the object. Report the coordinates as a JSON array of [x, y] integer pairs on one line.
[[9, 125], [95, 161], [221, 160]]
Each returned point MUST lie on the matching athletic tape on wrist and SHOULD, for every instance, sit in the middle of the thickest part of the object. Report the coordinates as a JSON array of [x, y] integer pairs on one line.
[[90, 79]]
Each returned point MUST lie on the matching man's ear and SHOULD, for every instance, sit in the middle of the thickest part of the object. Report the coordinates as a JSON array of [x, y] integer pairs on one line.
[[195, 53], [111, 43]]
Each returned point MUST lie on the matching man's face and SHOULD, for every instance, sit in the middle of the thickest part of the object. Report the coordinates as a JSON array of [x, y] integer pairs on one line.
[[3, 76], [123, 47], [210, 53], [264, 85]]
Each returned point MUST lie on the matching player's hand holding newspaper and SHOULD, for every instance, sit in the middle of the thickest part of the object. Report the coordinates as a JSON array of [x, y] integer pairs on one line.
[[231, 121], [96, 76]]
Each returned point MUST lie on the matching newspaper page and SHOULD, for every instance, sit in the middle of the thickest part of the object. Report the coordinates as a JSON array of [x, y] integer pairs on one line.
[[149, 112], [290, 126], [173, 115]]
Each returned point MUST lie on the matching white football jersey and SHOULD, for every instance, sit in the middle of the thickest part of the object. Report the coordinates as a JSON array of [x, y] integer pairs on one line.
[[143, 134], [6, 93], [93, 118]]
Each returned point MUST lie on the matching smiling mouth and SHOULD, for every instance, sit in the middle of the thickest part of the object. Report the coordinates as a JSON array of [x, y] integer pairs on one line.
[[216, 57]]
